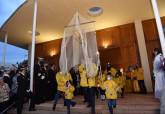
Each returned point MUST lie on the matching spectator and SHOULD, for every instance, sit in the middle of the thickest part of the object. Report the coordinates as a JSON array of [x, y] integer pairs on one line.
[[6, 78], [1, 73], [14, 86], [21, 92], [4, 94]]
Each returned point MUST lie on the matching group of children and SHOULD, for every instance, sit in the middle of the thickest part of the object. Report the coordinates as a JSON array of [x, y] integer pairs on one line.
[[135, 80], [111, 85]]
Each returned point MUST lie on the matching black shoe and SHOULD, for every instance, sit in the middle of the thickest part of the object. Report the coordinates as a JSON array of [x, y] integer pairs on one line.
[[32, 109], [84, 101], [74, 103], [54, 107], [88, 105]]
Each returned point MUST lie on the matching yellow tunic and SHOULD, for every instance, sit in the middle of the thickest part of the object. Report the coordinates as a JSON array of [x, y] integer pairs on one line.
[[140, 74], [128, 84], [101, 79], [110, 89], [135, 81], [118, 82], [81, 68], [61, 80], [122, 80], [68, 77], [91, 82], [113, 71], [83, 79], [69, 92]]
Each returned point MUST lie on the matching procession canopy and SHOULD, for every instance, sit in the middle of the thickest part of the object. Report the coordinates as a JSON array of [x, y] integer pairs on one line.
[[79, 46]]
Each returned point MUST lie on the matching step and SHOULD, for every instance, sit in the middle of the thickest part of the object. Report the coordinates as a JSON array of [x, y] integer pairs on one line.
[[82, 107], [131, 104], [100, 112]]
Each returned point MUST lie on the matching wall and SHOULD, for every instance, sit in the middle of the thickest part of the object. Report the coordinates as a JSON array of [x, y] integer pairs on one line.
[[151, 38], [49, 50], [117, 45], [122, 42]]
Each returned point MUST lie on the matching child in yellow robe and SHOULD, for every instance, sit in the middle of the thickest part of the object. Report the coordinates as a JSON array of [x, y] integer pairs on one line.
[[83, 81], [61, 79], [111, 89], [136, 87], [120, 81], [101, 79], [69, 89], [140, 78]]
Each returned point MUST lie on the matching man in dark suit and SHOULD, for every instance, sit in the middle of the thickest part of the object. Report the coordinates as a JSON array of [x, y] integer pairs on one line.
[[21, 91], [37, 75]]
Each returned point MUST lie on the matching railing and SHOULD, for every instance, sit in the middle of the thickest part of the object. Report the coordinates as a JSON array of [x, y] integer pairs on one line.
[[8, 108]]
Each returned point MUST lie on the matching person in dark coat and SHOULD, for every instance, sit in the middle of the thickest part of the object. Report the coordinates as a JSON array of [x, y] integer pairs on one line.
[[43, 84], [51, 82], [37, 75], [21, 91]]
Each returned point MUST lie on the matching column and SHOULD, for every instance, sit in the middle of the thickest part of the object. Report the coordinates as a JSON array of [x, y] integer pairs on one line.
[[35, 2], [143, 55], [4, 50], [159, 25], [29, 54]]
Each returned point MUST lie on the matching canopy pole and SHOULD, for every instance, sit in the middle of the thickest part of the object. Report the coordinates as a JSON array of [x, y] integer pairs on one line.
[[159, 25], [4, 49], [80, 24], [33, 44]]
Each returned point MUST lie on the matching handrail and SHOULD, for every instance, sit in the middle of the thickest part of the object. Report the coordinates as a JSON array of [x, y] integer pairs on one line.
[[6, 109]]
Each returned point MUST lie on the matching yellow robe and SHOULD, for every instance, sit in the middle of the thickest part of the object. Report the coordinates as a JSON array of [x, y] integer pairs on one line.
[[122, 80], [128, 83], [91, 82], [69, 92], [140, 74], [110, 88], [61, 80], [83, 79], [136, 87], [113, 71]]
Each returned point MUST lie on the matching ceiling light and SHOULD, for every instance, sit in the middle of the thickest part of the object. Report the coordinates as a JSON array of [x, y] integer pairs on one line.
[[95, 11], [37, 33]]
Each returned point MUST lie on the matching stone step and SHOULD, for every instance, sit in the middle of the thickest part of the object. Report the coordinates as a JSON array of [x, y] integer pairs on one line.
[[87, 112], [101, 107], [131, 104]]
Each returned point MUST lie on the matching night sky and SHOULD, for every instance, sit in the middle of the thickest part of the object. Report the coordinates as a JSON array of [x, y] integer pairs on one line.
[[14, 54]]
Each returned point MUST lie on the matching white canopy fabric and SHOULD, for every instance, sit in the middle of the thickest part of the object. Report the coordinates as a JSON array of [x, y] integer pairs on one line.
[[79, 46]]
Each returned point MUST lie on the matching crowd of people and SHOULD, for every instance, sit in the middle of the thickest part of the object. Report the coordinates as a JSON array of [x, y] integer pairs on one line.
[[51, 84], [14, 82], [15, 86]]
